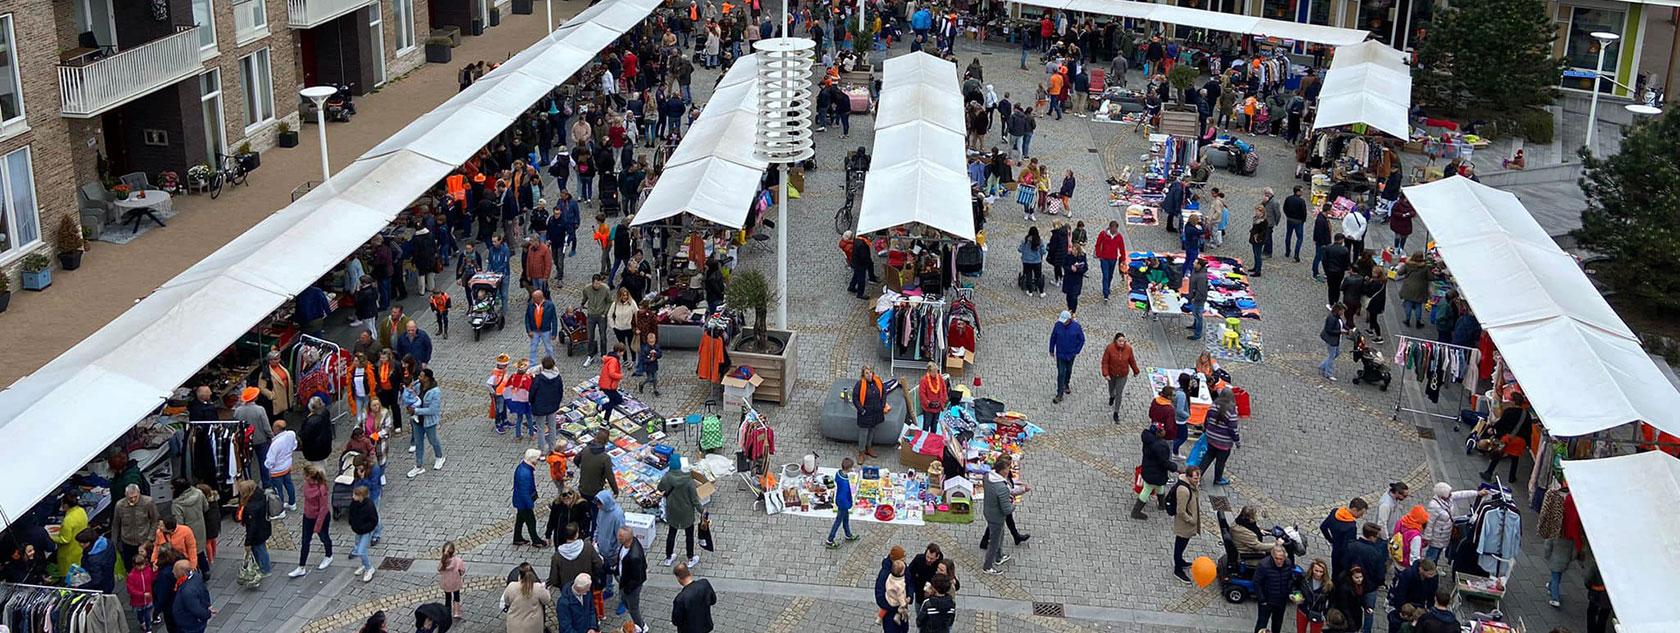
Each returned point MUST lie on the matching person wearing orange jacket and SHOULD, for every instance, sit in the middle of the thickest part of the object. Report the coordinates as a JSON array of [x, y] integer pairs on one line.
[[936, 397], [612, 373], [1118, 363]]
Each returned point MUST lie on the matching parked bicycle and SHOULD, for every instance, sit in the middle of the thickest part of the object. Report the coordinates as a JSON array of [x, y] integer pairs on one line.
[[232, 169]]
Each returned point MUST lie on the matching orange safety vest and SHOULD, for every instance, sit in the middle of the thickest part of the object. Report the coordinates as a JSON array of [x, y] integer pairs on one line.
[[694, 12], [457, 185], [859, 396]]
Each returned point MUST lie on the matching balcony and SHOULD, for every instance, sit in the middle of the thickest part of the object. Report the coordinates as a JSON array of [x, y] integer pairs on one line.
[[91, 87], [308, 14]]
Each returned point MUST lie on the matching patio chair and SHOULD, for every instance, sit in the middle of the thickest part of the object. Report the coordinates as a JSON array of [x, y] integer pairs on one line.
[[95, 202]]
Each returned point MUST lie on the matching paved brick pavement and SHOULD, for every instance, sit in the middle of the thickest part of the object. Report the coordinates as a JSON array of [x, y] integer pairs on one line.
[[1309, 446]]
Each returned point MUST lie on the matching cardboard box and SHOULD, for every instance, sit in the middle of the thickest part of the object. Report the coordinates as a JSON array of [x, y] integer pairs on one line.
[[957, 366], [909, 457], [737, 392], [704, 484], [642, 526]]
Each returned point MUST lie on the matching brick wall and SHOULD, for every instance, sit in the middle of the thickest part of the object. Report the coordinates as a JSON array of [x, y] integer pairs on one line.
[[399, 65], [281, 43], [36, 31]]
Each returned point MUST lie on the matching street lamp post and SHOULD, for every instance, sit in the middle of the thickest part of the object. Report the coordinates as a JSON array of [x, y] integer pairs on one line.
[[548, 9], [1605, 39], [318, 95]]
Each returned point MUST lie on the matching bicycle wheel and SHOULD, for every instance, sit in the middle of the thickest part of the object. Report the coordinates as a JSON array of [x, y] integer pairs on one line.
[[216, 185], [843, 218], [238, 174]]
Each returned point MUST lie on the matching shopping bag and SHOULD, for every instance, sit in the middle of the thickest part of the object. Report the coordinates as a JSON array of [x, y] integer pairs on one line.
[[1055, 205], [707, 541], [1137, 480], [249, 573], [1026, 196], [1197, 451]]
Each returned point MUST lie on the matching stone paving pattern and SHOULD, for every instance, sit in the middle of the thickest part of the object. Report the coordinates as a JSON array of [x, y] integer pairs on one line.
[[1310, 445]]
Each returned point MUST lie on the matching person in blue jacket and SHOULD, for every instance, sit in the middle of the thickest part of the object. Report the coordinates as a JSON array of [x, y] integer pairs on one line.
[[525, 498], [842, 504], [1067, 339], [191, 606], [541, 322]]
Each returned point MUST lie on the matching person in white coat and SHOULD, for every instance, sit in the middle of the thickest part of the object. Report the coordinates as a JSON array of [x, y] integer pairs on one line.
[[1353, 229], [1441, 511], [279, 463]]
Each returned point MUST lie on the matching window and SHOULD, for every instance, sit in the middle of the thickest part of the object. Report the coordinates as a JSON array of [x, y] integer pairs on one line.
[[20, 221], [1377, 16], [1279, 9], [250, 20], [259, 88], [215, 133], [204, 16], [404, 15], [11, 84], [1580, 51]]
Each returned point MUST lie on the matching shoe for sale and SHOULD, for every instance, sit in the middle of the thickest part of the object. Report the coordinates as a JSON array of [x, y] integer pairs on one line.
[[437, 464], [325, 563], [415, 472], [670, 560], [367, 576], [297, 573]]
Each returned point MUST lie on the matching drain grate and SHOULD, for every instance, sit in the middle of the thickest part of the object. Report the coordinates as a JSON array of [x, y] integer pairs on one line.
[[1220, 504], [1049, 609], [395, 563], [1426, 432], [1090, 150]]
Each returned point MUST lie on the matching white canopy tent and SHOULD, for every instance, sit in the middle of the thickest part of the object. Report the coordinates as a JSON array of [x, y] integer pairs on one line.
[[1627, 509], [713, 175], [1367, 83], [1581, 368], [1201, 18], [918, 172], [50, 426]]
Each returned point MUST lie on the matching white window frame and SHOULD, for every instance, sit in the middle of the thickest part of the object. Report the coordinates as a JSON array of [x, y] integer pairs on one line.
[[6, 206], [20, 123], [404, 15], [207, 51], [245, 34], [376, 24], [219, 134], [248, 81]]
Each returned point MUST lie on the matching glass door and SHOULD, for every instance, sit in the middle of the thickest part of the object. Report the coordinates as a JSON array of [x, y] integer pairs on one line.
[[93, 17], [215, 127], [376, 25]]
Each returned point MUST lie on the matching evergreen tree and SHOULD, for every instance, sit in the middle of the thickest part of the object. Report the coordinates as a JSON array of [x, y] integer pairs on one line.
[[1489, 56], [1633, 211]]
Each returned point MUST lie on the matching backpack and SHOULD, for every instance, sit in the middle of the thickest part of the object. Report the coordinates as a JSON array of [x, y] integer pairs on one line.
[[1172, 499], [275, 509], [1398, 551]]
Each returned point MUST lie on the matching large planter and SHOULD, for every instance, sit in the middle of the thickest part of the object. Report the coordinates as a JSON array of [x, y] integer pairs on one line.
[[70, 260], [780, 371], [5, 300], [439, 54], [38, 280], [288, 138], [495, 16], [522, 7]]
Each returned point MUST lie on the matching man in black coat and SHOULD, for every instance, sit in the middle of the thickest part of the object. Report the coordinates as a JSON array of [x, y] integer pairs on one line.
[[315, 437], [691, 611], [1274, 578], [1371, 555], [870, 400], [1415, 586], [1295, 219], [632, 574], [1337, 260], [1157, 462], [862, 260]]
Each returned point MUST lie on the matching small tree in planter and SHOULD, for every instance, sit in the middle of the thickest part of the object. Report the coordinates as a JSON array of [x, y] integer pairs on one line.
[[286, 136], [748, 291], [70, 243], [1182, 76], [438, 49], [37, 272]]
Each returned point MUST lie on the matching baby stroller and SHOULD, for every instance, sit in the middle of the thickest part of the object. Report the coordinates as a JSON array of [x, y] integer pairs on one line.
[[484, 294], [1371, 368], [1236, 574], [574, 330], [344, 483]]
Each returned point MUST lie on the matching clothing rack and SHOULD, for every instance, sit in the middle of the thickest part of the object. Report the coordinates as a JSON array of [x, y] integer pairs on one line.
[[50, 588], [893, 332], [1400, 392]]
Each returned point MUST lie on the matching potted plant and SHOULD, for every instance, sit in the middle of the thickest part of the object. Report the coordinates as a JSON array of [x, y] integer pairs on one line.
[[37, 272], [769, 352], [522, 7], [438, 49], [248, 158], [1182, 76], [5, 292], [287, 136], [121, 191], [70, 243]]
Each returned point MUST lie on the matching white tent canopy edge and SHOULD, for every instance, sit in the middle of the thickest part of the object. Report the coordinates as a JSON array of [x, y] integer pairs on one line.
[[918, 175], [1626, 505]]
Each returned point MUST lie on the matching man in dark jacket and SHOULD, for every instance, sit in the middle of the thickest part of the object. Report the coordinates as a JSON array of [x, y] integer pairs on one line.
[[1337, 260], [869, 398], [191, 607], [1157, 462], [525, 498], [691, 611], [632, 574], [1339, 528], [315, 437], [1440, 618], [100, 561], [1295, 219], [414, 342], [1274, 577], [1414, 586], [862, 260], [1067, 339], [1172, 205], [1199, 295], [1371, 555], [595, 472]]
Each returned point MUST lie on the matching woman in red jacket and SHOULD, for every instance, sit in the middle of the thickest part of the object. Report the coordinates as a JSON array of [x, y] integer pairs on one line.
[[1118, 364], [612, 372], [1162, 415], [936, 397]]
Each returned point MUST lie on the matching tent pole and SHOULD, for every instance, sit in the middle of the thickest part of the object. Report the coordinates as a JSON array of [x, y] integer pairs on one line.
[[782, 245]]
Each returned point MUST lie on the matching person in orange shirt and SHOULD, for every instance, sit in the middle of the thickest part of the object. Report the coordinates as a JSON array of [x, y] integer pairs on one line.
[[612, 373], [557, 464], [496, 382], [1058, 83], [180, 538]]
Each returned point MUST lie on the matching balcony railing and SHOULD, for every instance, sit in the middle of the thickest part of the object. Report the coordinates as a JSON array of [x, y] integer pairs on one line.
[[91, 88], [308, 14]]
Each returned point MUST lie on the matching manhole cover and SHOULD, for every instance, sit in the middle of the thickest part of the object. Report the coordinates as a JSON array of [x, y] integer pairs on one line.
[[1220, 504], [1049, 609], [1426, 432], [1091, 150], [395, 563]]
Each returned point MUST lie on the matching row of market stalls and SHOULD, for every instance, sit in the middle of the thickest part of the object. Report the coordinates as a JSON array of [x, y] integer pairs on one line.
[[1211, 20], [1592, 391], [94, 393]]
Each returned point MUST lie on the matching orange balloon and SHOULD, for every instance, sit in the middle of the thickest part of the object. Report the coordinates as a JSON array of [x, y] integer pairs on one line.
[[1202, 570]]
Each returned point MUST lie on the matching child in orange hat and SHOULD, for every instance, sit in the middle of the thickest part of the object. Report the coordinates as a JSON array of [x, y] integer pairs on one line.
[[496, 382]]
